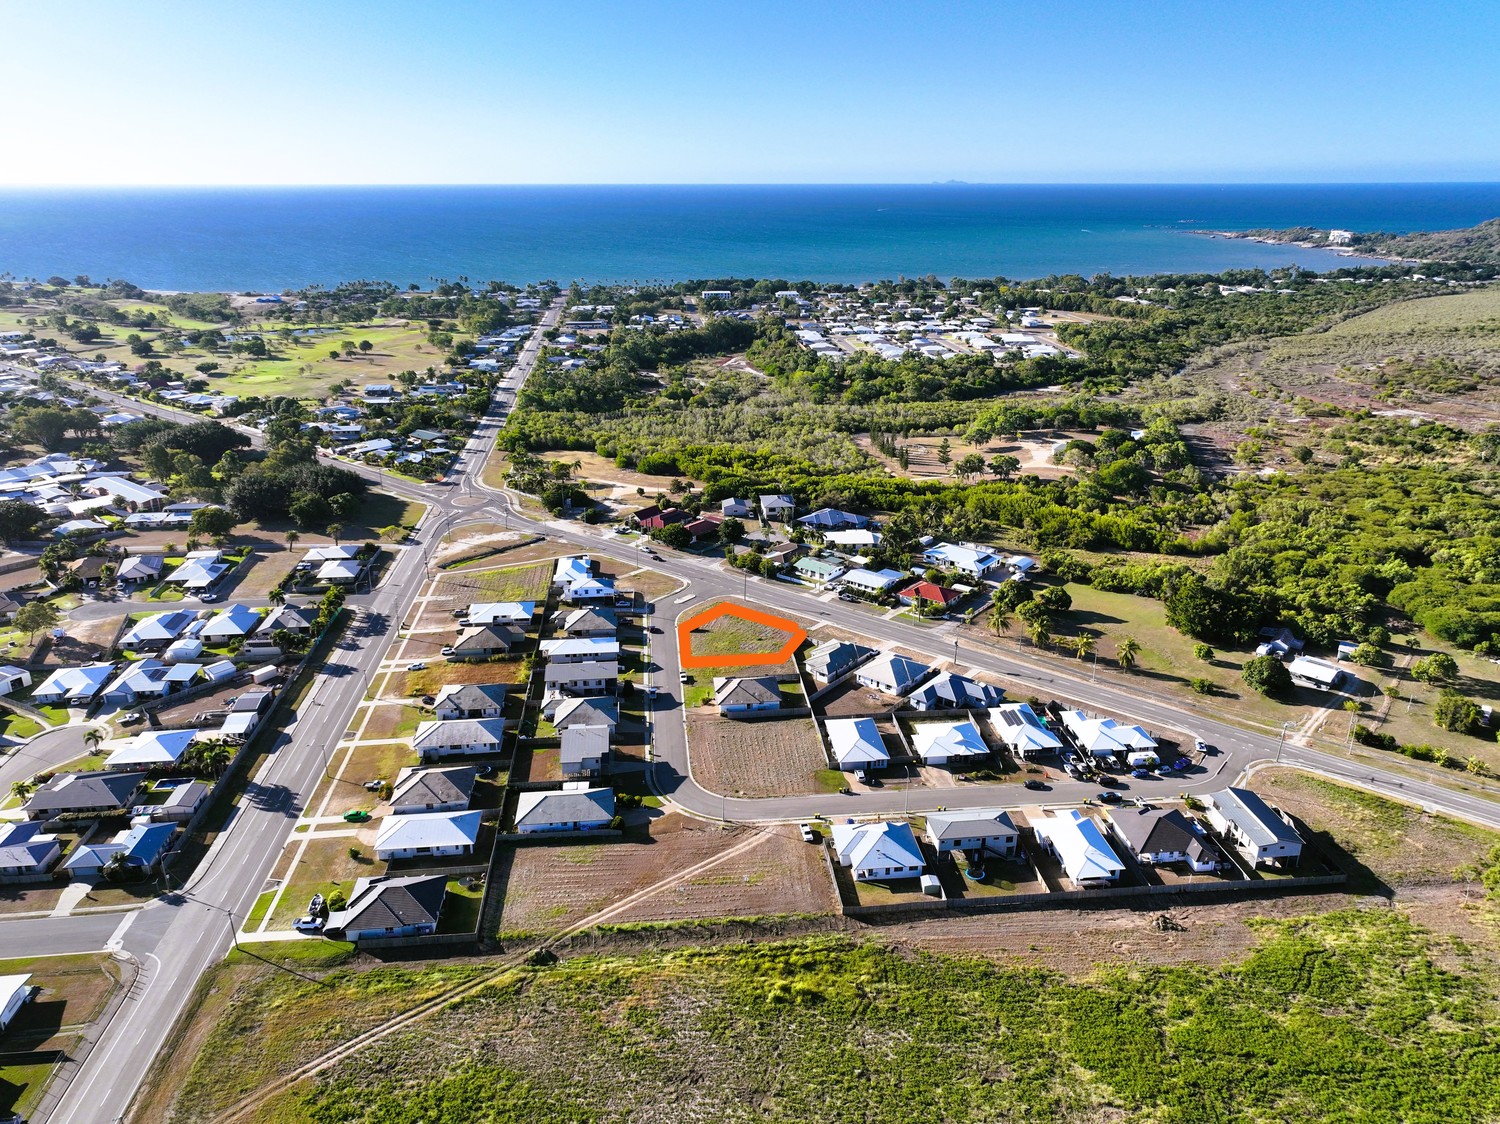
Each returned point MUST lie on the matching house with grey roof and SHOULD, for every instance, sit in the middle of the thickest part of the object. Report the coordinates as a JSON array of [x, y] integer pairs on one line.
[[834, 659], [390, 907], [1160, 836], [447, 738], [892, 673], [100, 793], [1256, 829], [584, 750], [738, 695], [596, 623], [470, 700], [592, 678], [948, 691], [577, 807], [26, 853], [600, 710], [974, 830], [433, 790], [481, 642]]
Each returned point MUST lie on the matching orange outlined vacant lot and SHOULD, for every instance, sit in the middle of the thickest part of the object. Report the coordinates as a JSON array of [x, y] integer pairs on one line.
[[795, 634]]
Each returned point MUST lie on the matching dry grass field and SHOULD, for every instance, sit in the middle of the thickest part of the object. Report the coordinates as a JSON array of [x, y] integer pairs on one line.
[[780, 757]]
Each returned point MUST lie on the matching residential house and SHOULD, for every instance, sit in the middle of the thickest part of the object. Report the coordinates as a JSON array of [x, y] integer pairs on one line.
[[484, 641], [784, 553], [100, 793], [662, 518], [856, 744], [1309, 671], [156, 631], [1256, 829], [574, 577], [929, 593], [576, 808], [146, 844], [296, 621], [149, 679], [703, 527], [433, 790], [1023, 733], [740, 696], [588, 624], [138, 568], [974, 831], [871, 583], [427, 835], [1159, 836], [72, 686], [448, 738], [591, 650], [230, 623], [581, 678], [833, 659], [732, 508], [470, 700], [89, 569], [518, 613], [88, 860], [1079, 845], [12, 678], [891, 673], [948, 743], [151, 749], [340, 571], [9, 605], [819, 571], [878, 851], [390, 907], [598, 711], [832, 519], [183, 651], [970, 560], [200, 569], [949, 691], [847, 541], [1104, 737], [777, 508], [26, 853], [584, 750]]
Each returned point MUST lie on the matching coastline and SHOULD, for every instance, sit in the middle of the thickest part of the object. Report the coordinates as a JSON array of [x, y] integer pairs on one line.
[[1303, 244]]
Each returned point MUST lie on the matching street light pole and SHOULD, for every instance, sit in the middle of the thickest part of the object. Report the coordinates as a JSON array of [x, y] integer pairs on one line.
[[1285, 726]]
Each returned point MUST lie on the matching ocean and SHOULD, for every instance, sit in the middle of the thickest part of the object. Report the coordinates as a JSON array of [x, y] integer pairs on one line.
[[268, 239]]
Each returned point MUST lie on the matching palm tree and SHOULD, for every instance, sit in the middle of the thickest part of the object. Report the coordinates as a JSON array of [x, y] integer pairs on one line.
[[22, 790], [1127, 651], [1039, 633], [215, 757], [334, 530], [291, 539], [999, 622], [1083, 644], [277, 596], [93, 737]]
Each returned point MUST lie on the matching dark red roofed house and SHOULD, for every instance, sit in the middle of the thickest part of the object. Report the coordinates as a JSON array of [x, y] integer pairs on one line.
[[657, 520], [930, 592]]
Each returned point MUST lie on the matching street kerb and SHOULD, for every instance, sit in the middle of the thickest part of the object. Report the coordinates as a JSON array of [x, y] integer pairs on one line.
[[796, 636]]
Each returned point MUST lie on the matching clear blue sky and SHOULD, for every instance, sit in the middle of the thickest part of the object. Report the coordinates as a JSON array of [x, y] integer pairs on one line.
[[705, 91]]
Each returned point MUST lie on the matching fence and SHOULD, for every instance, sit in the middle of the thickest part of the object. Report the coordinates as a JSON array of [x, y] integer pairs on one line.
[[522, 839], [444, 939]]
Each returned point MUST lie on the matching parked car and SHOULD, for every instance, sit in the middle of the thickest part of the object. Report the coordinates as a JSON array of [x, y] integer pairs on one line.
[[684, 677], [206, 597], [1108, 781], [1140, 774], [373, 786], [1108, 797], [133, 717], [447, 649], [460, 612], [1034, 785], [308, 924], [359, 815], [315, 907], [428, 700], [807, 833], [418, 666]]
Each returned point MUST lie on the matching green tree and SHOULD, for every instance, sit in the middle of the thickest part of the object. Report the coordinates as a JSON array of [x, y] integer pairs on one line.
[[968, 466], [1203, 652], [944, 451], [34, 616], [334, 530], [1439, 667], [999, 622], [674, 535], [291, 539], [1004, 466], [731, 531], [212, 521], [365, 347], [1456, 713], [18, 519], [1268, 675], [1083, 645], [1127, 651], [1056, 599]]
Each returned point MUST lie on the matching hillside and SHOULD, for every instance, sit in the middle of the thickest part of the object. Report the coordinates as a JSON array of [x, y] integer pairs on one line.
[[1474, 244]]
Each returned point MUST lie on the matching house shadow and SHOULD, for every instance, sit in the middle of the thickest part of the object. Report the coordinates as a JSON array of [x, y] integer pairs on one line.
[[1362, 880]]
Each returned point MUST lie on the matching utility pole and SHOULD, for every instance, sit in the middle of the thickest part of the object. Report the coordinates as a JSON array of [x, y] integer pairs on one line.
[[1285, 726]]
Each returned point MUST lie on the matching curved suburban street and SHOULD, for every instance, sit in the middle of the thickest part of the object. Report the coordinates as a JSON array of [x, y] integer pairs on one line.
[[180, 934]]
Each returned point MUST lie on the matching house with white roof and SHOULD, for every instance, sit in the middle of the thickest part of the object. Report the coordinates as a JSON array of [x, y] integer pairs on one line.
[[872, 583], [582, 650], [856, 743], [1078, 844], [448, 738], [891, 673], [734, 508], [73, 686], [427, 835], [974, 831], [577, 807], [593, 678], [878, 851], [229, 623], [971, 561], [1256, 829], [948, 743], [1104, 737], [12, 678], [1309, 671], [149, 679], [151, 749], [1022, 731], [501, 612], [777, 508], [852, 540], [15, 993], [199, 570]]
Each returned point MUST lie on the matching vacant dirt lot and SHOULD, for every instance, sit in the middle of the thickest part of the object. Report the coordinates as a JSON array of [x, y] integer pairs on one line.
[[547, 888], [462, 588], [766, 758]]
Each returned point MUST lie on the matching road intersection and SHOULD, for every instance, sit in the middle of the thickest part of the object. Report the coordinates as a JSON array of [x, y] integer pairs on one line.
[[179, 936]]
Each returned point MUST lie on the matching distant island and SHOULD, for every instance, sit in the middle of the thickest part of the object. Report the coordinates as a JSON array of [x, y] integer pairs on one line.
[[1474, 244]]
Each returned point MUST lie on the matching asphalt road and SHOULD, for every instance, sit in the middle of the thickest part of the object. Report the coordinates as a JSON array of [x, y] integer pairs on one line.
[[180, 935], [45, 751], [177, 937]]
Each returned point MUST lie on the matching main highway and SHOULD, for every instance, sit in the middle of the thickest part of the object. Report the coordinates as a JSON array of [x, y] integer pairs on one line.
[[178, 936]]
